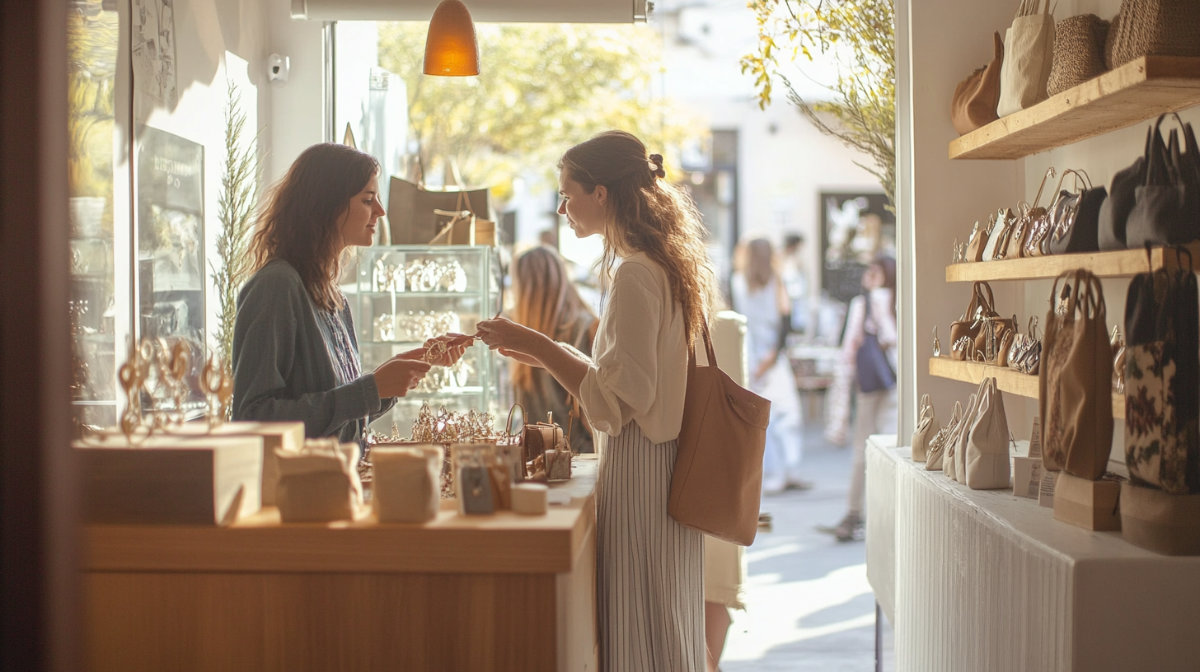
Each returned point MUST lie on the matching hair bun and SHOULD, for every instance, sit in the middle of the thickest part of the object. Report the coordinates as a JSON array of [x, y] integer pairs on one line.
[[656, 165]]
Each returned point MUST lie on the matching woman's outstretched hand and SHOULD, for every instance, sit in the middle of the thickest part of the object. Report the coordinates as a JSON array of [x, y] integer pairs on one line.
[[398, 375], [512, 340], [447, 349]]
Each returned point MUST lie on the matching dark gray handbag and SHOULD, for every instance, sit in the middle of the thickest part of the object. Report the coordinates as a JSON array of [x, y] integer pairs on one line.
[[1166, 208], [1075, 217], [1115, 209]]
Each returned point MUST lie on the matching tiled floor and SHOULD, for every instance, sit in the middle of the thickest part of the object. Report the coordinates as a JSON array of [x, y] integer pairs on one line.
[[809, 606]]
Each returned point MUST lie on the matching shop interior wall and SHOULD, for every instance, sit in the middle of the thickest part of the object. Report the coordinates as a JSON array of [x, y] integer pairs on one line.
[[947, 39]]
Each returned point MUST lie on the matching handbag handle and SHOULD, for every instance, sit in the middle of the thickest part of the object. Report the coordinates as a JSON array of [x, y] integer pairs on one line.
[[1038, 198], [708, 347]]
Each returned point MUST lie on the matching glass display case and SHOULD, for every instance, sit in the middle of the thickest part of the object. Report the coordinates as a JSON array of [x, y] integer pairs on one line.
[[408, 293]]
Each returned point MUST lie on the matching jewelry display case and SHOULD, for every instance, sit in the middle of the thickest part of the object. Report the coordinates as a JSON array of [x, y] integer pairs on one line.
[[408, 293]]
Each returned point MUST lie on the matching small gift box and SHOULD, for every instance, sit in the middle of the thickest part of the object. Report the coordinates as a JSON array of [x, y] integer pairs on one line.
[[407, 483], [319, 483]]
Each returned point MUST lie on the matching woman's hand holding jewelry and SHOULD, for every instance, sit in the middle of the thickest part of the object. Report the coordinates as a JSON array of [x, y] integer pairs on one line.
[[511, 339], [398, 375], [447, 349]]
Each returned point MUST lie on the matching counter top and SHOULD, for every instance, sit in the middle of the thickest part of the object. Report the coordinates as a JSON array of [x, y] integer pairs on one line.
[[503, 542]]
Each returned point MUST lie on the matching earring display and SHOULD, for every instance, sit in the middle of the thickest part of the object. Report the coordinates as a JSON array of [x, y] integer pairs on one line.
[[414, 325], [418, 275]]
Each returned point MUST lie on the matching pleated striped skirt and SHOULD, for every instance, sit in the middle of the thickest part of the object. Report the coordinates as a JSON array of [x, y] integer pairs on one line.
[[650, 569]]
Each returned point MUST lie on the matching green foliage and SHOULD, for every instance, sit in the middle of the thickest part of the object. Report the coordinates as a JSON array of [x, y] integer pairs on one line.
[[541, 89], [235, 207], [861, 33]]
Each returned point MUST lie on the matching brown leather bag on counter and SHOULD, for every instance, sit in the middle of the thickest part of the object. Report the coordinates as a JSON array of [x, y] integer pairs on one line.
[[975, 98]]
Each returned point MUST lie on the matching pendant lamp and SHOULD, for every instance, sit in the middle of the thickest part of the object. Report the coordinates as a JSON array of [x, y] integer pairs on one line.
[[450, 47]]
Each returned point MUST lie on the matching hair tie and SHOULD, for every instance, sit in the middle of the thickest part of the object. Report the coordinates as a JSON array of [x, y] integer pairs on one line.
[[656, 165]]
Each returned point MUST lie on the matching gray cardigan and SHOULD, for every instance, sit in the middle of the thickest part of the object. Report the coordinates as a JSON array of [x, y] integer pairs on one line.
[[284, 365]]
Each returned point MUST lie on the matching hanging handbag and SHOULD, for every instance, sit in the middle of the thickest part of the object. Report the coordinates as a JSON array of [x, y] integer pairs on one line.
[[1075, 217], [1114, 211], [927, 428], [935, 457], [1162, 365], [717, 481], [987, 464], [1166, 208], [1159, 27], [975, 98], [1078, 52], [872, 370], [1029, 51], [1075, 383]]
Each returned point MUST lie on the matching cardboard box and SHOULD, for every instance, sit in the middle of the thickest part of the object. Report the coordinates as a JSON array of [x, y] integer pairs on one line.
[[1160, 522], [1027, 476], [1091, 505], [163, 480]]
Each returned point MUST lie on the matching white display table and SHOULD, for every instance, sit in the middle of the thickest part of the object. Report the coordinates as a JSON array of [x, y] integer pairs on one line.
[[982, 580]]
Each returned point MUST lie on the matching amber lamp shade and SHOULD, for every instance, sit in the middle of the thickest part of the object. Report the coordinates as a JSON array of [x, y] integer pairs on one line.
[[450, 46]]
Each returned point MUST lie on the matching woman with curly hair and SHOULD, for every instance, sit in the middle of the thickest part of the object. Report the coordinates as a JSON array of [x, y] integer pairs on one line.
[[295, 355], [650, 589]]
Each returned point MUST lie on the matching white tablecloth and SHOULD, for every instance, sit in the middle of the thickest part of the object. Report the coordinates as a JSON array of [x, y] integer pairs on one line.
[[981, 580]]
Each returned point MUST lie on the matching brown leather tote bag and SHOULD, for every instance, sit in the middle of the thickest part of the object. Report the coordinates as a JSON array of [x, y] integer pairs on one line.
[[975, 98], [1075, 382], [717, 481]]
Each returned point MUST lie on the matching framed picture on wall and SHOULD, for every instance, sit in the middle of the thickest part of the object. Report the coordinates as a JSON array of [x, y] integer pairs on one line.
[[170, 239], [855, 226]]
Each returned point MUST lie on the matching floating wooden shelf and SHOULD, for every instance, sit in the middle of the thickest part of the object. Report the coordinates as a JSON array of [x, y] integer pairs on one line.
[[1115, 264], [1139, 90], [1008, 380]]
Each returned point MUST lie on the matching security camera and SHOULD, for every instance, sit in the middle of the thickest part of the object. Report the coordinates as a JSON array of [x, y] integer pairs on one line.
[[277, 67]]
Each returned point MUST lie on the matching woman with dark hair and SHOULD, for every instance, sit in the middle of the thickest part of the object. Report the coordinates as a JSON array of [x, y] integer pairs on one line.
[[548, 302], [295, 354], [873, 312], [650, 591]]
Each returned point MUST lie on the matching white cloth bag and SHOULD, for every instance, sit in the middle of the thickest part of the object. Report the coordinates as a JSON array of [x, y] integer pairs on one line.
[[1028, 55], [987, 465]]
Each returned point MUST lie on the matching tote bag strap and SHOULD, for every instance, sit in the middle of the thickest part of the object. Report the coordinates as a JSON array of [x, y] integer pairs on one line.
[[708, 348]]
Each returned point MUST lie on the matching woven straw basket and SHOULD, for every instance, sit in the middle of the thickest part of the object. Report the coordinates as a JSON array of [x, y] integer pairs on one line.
[[1159, 27], [1078, 51]]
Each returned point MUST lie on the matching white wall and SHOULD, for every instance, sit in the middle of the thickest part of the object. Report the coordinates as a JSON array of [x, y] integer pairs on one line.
[[948, 39]]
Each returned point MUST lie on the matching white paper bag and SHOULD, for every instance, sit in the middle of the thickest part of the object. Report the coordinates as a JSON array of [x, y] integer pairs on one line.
[[987, 465]]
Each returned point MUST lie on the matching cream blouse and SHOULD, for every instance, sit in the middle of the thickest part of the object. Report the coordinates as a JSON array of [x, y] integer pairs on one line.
[[638, 367]]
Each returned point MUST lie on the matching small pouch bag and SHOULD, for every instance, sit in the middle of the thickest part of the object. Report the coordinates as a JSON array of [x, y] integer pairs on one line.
[[927, 428], [935, 457], [967, 331], [964, 432], [1025, 353], [318, 483], [987, 465], [978, 241], [1000, 228], [1031, 218]]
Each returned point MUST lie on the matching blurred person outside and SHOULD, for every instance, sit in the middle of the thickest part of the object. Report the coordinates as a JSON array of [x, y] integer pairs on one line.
[[548, 301], [794, 272], [758, 293], [872, 312]]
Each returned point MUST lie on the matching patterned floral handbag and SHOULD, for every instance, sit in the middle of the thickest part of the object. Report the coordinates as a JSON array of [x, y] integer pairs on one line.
[[1162, 365], [1075, 383]]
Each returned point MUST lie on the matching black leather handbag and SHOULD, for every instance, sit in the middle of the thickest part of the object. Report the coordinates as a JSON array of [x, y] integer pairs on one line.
[[1075, 217], [1115, 210], [1166, 209]]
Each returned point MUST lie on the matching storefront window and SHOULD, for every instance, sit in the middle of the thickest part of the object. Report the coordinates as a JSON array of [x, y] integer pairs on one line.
[[93, 39]]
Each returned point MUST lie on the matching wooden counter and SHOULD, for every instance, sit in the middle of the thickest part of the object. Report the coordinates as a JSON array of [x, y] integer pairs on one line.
[[499, 592]]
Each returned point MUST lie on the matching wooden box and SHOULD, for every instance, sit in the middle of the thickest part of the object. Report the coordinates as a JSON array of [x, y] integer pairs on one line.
[[201, 480], [1161, 522], [282, 435], [1091, 505]]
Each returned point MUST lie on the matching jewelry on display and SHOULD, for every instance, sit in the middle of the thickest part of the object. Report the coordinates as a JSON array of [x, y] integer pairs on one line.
[[937, 343]]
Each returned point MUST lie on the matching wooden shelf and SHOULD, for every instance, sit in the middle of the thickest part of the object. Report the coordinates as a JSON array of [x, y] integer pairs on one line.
[[1139, 90], [1115, 264], [1008, 380]]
